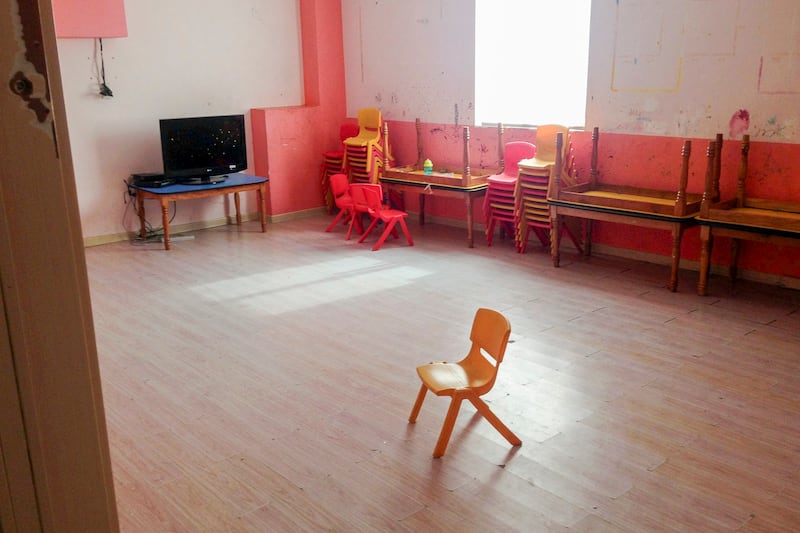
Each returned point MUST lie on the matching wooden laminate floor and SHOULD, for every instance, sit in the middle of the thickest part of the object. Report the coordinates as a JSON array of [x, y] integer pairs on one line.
[[262, 382]]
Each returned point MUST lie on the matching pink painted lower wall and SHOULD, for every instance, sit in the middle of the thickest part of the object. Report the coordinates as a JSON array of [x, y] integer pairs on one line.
[[639, 160], [288, 142]]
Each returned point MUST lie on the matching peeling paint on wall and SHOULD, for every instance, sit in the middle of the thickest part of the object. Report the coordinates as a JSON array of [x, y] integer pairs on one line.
[[739, 124], [29, 79]]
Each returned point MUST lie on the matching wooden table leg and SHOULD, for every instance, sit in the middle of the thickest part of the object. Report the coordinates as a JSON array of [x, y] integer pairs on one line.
[[587, 244], [140, 211], [237, 203], [470, 242], [422, 209], [677, 236], [733, 270], [165, 223], [262, 206], [705, 260], [555, 237]]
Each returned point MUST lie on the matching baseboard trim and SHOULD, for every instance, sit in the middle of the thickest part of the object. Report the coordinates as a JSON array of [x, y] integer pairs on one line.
[[479, 229], [686, 264], [205, 224]]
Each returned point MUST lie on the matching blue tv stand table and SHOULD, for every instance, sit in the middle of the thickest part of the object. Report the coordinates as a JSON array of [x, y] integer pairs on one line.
[[235, 184]]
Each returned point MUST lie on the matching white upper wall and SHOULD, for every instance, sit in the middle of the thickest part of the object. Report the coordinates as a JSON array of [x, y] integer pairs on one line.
[[691, 68], [181, 58], [411, 58], [682, 68]]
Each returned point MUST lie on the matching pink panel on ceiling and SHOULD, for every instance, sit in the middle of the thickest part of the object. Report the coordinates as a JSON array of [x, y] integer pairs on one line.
[[89, 18]]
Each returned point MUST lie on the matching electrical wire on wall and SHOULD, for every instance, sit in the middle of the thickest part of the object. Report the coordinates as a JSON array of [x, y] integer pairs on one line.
[[105, 90]]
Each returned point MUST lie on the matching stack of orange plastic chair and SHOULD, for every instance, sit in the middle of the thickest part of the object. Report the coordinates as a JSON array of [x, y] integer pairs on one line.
[[535, 174], [500, 203], [364, 152], [333, 163]]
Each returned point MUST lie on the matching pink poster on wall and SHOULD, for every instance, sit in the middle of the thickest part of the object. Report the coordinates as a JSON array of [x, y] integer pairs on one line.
[[89, 18]]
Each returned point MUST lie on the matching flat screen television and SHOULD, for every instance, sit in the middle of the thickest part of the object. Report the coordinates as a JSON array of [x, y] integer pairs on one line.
[[198, 150]]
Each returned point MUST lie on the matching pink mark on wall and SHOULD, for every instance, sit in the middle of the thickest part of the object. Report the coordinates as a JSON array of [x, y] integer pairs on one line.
[[739, 124]]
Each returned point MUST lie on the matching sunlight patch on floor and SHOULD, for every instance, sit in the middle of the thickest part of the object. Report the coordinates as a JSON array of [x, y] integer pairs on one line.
[[288, 290]]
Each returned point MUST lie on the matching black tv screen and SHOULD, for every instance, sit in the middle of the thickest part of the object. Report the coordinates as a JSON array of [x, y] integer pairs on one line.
[[203, 149]]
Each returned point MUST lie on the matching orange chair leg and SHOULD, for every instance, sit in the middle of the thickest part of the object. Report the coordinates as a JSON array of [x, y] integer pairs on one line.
[[418, 404], [487, 413], [447, 427]]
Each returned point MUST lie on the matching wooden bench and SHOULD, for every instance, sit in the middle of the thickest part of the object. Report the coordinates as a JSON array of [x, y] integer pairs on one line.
[[672, 210], [753, 219]]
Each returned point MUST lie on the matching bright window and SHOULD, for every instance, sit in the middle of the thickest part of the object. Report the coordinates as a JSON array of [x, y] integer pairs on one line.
[[531, 61]]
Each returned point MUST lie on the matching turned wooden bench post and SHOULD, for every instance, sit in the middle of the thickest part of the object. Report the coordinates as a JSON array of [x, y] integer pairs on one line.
[[553, 189], [733, 270], [587, 245], [709, 191]]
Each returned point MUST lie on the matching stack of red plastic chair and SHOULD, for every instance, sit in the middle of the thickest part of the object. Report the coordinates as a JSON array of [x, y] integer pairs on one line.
[[333, 163], [500, 201], [364, 152]]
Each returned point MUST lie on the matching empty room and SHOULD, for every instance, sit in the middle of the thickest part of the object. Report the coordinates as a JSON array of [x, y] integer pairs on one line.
[[256, 254]]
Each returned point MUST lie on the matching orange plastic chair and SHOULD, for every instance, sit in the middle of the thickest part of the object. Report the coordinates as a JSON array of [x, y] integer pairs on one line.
[[546, 145], [361, 150], [381, 213], [340, 188], [470, 378]]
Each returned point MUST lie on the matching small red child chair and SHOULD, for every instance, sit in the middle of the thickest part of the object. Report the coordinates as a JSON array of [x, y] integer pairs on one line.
[[340, 189], [381, 213]]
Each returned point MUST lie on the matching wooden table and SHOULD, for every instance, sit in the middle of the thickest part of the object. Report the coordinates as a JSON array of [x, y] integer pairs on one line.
[[408, 179], [740, 218], [671, 210], [235, 184]]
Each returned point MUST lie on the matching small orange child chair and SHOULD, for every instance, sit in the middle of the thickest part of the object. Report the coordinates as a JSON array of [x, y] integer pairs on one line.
[[470, 378], [380, 213]]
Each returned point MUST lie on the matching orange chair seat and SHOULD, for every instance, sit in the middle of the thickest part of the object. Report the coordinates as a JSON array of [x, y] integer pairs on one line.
[[443, 379]]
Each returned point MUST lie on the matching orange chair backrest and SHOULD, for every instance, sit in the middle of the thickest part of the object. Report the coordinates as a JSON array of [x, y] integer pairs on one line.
[[370, 118], [489, 336], [513, 153], [369, 128], [546, 141]]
